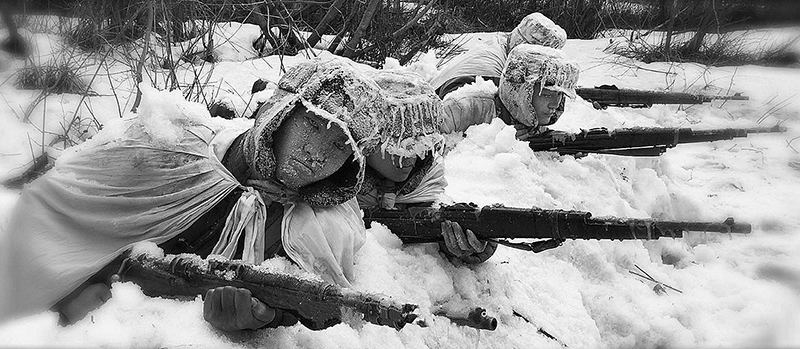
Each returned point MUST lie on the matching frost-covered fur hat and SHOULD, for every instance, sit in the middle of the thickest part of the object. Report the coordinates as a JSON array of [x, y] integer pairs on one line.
[[414, 113], [525, 66], [336, 91], [537, 29]]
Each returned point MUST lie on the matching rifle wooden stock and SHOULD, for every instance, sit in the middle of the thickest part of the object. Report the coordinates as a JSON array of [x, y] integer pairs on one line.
[[637, 141], [609, 95], [316, 304], [415, 225]]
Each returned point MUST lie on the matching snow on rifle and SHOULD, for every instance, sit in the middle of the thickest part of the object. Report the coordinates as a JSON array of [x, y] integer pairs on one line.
[[316, 304], [423, 224], [637, 141], [606, 96]]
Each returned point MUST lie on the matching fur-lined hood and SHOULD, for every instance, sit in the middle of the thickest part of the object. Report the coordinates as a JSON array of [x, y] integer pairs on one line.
[[339, 93]]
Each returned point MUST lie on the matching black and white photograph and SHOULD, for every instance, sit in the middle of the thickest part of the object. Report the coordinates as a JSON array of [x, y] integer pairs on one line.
[[397, 174]]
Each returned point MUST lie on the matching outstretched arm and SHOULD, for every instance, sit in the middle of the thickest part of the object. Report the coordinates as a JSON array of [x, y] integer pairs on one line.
[[469, 105]]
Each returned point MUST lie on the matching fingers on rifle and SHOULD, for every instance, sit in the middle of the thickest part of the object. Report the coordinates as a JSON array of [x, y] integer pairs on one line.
[[480, 257], [211, 305], [243, 309], [461, 239], [477, 245], [261, 312], [219, 308], [227, 300], [491, 247], [249, 312], [450, 242]]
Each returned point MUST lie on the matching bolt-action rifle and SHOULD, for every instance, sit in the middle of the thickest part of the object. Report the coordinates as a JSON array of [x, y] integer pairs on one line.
[[497, 223], [637, 141], [610, 96], [316, 304]]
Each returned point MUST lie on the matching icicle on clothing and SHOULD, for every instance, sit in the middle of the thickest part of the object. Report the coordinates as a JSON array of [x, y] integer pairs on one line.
[[529, 65], [108, 195], [410, 120]]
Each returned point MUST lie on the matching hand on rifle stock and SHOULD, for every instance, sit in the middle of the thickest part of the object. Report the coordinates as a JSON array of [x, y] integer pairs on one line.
[[525, 133], [234, 309], [81, 302], [464, 245]]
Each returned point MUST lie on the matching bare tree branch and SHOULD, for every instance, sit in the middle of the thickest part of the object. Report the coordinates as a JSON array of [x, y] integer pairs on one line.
[[405, 27], [362, 28], [329, 16]]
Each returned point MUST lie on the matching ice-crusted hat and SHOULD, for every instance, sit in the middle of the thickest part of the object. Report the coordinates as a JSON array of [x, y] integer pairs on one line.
[[336, 91], [525, 66], [414, 113], [537, 29]]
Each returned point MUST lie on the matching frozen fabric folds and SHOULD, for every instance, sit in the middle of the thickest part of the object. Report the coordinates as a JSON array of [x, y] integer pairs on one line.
[[324, 240], [100, 200]]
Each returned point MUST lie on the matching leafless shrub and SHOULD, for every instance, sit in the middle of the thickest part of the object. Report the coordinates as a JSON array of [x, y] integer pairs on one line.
[[725, 50], [53, 77], [701, 21], [582, 19]]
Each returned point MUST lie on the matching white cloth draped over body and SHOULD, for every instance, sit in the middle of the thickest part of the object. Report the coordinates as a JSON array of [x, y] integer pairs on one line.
[[430, 189], [487, 61], [473, 103], [105, 196]]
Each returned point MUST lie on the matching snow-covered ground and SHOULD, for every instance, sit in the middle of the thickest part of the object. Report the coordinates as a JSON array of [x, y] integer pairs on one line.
[[737, 291]]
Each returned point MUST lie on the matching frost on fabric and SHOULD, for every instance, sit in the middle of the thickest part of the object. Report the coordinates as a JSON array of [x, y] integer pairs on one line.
[[533, 63], [331, 120]]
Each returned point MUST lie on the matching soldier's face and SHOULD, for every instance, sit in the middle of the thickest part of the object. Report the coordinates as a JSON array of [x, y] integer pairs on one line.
[[545, 104], [307, 149], [392, 167]]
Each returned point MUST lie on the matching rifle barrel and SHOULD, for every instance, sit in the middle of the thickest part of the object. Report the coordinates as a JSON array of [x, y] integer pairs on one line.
[[316, 304], [424, 224], [636, 141], [613, 96], [628, 97]]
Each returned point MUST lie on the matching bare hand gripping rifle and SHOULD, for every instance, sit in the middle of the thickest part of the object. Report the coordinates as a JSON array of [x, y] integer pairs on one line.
[[423, 224], [638, 141], [316, 304], [610, 96]]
